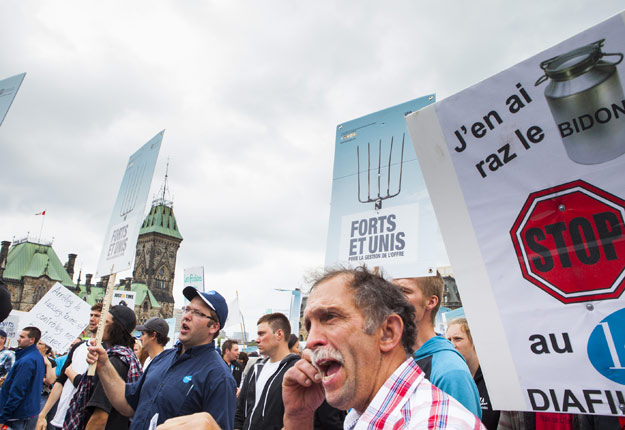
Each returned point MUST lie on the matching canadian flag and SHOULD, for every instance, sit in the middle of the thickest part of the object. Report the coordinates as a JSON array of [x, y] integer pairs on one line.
[[41, 213]]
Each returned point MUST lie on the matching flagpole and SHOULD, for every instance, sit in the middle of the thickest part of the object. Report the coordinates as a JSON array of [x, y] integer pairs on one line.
[[43, 218], [242, 322]]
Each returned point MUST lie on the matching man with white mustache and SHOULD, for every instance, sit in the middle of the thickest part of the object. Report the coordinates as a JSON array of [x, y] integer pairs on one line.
[[361, 331]]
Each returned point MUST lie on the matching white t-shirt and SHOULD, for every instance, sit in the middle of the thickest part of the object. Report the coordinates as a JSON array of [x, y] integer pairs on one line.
[[265, 373], [79, 365], [147, 362]]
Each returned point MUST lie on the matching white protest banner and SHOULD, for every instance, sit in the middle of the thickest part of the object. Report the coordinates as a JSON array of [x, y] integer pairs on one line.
[[11, 326], [8, 90], [295, 310], [525, 170], [118, 248], [381, 214], [171, 322], [60, 315], [194, 277], [124, 298]]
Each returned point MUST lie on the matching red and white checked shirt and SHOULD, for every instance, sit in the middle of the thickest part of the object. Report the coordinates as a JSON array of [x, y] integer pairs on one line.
[[409, 401]]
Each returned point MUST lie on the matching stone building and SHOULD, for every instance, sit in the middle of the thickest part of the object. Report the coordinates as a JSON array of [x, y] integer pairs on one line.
[[30, 268], [155, 262]]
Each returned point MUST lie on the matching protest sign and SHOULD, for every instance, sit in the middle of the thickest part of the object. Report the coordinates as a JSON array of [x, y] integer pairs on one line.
[[525, 171], [60, 315], [194, 277], [381, 214], [118, 249], [295, 310], [8, 90], [171, 322], [11, 325], [124, 298]]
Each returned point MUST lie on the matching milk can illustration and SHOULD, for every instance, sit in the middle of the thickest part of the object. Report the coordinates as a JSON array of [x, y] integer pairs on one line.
[[586, 100]]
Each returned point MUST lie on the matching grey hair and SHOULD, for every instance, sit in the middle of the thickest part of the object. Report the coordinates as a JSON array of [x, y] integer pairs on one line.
[[376, 298]]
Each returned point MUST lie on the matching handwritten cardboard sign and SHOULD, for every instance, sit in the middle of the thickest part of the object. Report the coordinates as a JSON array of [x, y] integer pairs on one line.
[[60, 315]]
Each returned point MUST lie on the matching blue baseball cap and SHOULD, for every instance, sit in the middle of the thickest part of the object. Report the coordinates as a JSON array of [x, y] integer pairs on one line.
[[213, 299]]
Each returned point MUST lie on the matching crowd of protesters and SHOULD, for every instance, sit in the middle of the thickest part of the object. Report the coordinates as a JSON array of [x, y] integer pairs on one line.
[[372, 360]]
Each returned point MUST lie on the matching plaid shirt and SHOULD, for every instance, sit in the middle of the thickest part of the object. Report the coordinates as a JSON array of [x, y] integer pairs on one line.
[[77, 416], [7, 358], [409, 401]]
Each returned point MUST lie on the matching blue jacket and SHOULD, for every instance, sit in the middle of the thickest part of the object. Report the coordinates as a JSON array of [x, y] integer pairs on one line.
[[445, 367], [177, 384], [21, 393]]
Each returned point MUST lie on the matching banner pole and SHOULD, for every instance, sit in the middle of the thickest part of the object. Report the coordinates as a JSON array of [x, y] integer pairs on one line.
[[106, 304]]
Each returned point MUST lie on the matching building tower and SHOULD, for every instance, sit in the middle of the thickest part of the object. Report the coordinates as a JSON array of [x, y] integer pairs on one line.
[[155, 259]]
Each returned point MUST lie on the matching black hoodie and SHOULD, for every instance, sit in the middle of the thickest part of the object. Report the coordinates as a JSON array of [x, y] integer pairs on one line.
[[267, 415]]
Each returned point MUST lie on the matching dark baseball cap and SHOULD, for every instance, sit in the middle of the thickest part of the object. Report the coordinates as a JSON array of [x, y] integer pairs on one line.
[[125, 316], [3, 333], [213, 299], [156, 324]]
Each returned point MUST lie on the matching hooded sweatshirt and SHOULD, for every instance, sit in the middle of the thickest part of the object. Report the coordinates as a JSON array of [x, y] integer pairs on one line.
[[269, 411], [446, 368]]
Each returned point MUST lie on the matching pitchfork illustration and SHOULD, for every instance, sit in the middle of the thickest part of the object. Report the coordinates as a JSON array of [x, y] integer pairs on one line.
[[131, 190], [378, 199]]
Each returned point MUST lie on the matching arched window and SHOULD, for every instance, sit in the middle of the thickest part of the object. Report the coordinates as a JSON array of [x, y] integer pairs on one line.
[[161, 278]]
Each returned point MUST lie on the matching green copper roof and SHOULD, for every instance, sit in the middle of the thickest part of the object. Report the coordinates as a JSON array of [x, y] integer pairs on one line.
[[98, 292], [142, 290], [161, 220], [93, 297], [35, 260]]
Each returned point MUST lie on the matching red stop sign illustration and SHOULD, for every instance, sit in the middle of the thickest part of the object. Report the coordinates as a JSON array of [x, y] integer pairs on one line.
[[570, 242]]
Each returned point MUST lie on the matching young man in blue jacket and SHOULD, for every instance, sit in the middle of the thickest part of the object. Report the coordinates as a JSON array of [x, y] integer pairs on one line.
[[184, 380], [435, 355], [21, 393]]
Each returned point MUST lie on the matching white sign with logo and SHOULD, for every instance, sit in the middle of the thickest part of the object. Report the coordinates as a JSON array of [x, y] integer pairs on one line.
[[194, 277], [525, 171], [118, 249], [124, 298], [381, 214]]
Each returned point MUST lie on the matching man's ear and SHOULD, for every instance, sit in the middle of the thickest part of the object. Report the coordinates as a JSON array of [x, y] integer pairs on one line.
[[431, 303], [214, 328], [279, 334], [391, 332]]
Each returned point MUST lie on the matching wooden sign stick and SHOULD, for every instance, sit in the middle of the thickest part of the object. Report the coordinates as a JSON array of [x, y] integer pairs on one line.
[[106, 304]]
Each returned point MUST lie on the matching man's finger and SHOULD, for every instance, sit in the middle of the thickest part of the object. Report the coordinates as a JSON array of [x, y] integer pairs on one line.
[[302, 373]]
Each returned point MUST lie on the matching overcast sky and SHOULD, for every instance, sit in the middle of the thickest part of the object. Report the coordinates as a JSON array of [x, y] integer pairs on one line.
[[249, 94]]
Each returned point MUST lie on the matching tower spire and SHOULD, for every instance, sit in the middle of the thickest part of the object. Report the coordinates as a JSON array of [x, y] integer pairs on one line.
[[164, 197]]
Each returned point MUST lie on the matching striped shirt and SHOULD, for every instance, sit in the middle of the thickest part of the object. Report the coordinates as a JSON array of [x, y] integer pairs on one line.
[[409, 401]]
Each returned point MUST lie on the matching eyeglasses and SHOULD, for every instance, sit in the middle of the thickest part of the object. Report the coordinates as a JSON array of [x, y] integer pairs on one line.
[[195, 313]]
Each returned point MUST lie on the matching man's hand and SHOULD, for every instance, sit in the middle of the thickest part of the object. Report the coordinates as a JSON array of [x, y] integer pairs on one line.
[[197, 421], [42, 423], [302, 393], [97, 354]]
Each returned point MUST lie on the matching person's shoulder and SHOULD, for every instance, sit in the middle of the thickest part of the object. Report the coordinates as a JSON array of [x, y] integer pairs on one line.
[[116, 359], [428, 397], [291, 359], [450, 360]]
